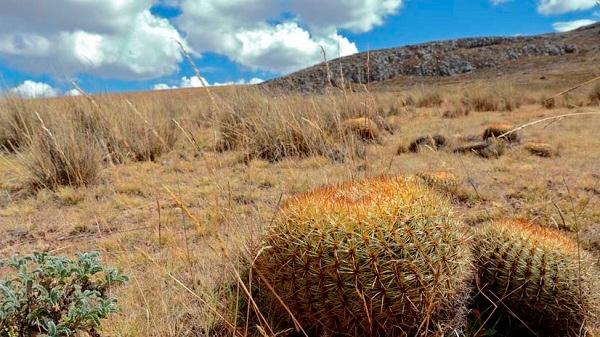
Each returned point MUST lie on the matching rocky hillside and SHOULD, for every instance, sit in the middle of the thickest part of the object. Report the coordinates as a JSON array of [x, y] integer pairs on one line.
[[443, 58]]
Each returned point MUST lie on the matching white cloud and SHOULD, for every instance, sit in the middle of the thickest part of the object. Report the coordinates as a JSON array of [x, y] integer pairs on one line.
[[287, 47], [243, 30], [355, 15], [31, 89], [254, 80], [73, 92], [110, 38], [122, 39], [163, 86], [499, 2], [566, 26], [195, 82], [550, 7]]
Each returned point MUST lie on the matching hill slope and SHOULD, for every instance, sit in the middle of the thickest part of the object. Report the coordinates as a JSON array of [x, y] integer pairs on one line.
[[446, 58]]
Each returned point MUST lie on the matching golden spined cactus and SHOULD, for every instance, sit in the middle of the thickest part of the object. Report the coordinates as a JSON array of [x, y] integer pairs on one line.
[[497, 130], [540, 149], [378, 257], [363, 128], [540, 276]]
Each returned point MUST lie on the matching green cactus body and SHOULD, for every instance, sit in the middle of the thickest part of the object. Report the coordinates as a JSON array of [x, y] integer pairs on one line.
[[369, 258], [539, 276]]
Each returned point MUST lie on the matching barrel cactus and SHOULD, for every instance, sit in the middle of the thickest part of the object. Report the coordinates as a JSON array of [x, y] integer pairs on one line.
[[497, 130], [540, 276], [376, 257]]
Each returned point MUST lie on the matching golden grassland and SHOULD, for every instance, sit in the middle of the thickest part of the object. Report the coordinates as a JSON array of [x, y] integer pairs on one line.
[[173, 187]]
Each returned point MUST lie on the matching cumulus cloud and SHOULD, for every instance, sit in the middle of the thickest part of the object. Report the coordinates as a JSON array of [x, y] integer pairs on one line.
[[355, 15], [499, 2], [198, 82], [254, 80], [566, 26], [122, 39], [286, 47], [31, 89], [73, 92], [253, 33], [110, 38], [550, 7]]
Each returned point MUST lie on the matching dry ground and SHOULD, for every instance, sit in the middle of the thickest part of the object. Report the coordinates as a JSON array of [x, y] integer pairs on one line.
[[182, 263]]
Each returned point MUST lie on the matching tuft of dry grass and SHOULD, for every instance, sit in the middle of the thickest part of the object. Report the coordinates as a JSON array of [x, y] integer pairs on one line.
[[129, 132], [457, 110], [497, 97], [429, 97], [17, 123], [62, 155], [273, 128]]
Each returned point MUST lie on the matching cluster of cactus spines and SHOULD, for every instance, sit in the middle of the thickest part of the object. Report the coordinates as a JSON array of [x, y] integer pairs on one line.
[[376, 257], [540, 275]]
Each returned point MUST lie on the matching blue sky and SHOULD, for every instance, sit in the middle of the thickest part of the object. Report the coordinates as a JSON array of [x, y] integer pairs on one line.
[[128, 45]]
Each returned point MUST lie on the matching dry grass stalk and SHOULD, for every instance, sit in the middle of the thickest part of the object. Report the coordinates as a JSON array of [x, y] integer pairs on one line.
[[62, 156], [273, 128]]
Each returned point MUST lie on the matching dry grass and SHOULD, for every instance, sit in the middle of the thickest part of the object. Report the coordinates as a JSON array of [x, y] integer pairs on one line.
[[17, 122], [501, 96], [181, 248], [276, 128], [429, 97], [62, 156], [594, 94]]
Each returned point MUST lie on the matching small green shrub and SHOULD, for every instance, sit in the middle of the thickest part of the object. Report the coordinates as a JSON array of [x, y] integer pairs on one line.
[[53, 296]]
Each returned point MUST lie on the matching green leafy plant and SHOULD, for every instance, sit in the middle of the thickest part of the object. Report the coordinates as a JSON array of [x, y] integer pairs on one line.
[[46, 295]]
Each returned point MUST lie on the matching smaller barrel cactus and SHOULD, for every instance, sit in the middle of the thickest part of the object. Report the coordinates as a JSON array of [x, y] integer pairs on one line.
[[497, 130], [540, 149], [362, 127], [540, 275]]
